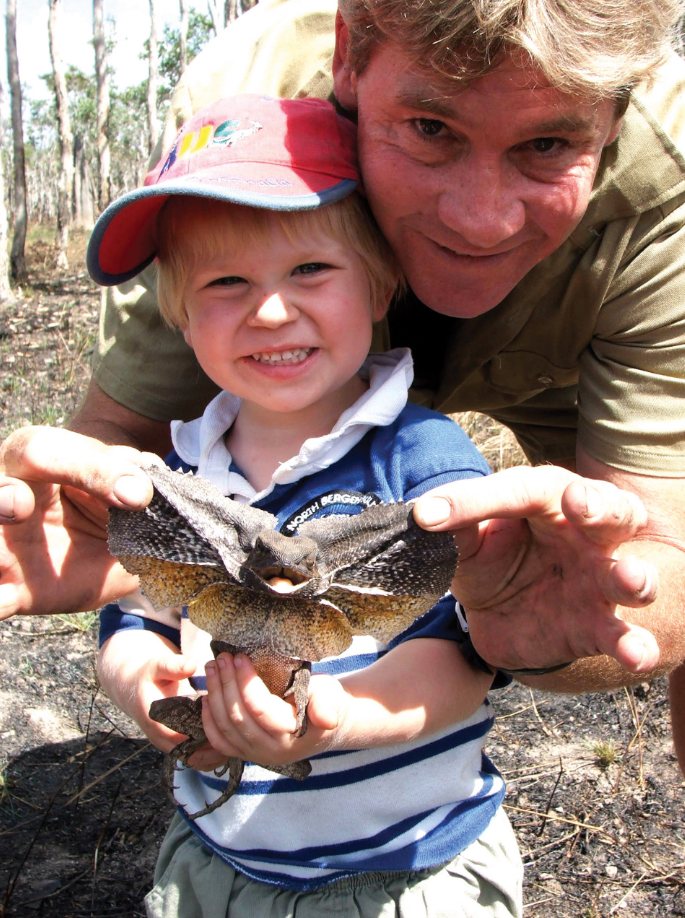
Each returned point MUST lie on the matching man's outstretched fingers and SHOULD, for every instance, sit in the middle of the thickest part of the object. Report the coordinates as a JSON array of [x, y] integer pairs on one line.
[[43, 454], [633, 647], [514, 493], [605, 513], [17, 501], [631, 582]]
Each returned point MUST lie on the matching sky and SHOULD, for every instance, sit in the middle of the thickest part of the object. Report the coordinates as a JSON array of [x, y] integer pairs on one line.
[[132, 28]]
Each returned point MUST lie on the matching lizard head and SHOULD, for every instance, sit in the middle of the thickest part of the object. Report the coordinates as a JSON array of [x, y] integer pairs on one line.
[[278, 560]]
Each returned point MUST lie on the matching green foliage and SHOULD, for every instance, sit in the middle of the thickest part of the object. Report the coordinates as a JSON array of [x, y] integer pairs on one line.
[[127, 125], [605, 753], [199, 32]]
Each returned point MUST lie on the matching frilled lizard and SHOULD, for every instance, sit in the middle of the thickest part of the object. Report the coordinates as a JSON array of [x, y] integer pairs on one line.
[[285, 601]]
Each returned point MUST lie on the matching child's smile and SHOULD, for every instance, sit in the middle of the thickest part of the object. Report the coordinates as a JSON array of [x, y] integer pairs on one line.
[[291, 357]]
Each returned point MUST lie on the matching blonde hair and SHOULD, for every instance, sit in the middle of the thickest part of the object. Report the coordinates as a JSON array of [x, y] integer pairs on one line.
[[594, 48], [193, 230]]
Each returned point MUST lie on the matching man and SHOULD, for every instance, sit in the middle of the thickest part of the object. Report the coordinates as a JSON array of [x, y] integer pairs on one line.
[[537, 207]]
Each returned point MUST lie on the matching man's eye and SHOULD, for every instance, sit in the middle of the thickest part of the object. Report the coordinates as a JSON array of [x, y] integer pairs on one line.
[[229, 281], [311, 267], [545, 144], [429, 127]]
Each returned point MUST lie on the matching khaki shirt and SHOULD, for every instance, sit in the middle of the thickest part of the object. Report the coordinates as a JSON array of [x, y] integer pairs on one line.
[[589, 345]]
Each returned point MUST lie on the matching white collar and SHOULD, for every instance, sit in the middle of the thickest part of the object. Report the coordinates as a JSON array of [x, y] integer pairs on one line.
[[201, 442]]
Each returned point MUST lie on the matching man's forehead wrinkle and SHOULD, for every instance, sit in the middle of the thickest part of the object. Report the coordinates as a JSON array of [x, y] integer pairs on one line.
[[446, 107], [424, 99]]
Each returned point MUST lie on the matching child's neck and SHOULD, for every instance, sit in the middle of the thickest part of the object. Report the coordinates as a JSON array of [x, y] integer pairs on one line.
[[260, 440]]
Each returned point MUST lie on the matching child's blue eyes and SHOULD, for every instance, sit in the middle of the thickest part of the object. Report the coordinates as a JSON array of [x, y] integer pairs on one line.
[[226, 281], [312, 267], [309, 268]]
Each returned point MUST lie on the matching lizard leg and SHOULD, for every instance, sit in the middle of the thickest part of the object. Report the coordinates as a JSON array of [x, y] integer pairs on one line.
[[235, 767], [299, 689]]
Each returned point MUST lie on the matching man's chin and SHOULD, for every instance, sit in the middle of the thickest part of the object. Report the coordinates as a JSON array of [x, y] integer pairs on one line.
[[459, 304]]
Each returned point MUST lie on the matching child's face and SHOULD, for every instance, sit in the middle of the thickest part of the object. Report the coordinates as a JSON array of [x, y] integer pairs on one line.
[[284, 325]]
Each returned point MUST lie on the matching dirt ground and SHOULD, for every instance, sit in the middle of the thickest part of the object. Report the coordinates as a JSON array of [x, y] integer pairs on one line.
[[594, 792]]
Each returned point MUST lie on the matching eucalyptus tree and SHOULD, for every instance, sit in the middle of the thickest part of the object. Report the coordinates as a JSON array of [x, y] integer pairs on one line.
[[65, 136], [103, 102], [17, 256]]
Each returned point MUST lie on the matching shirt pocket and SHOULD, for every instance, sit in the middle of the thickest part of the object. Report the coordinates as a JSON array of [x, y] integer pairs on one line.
[[526, 373]]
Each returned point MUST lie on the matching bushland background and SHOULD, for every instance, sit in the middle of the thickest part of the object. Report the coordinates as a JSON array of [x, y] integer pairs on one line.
[[594, 792]]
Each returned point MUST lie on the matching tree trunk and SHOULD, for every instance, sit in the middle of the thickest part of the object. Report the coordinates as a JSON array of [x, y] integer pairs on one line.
[[216, 13], [17, 259], [84, 190], [6, 295], [231, 10], [183, 35], [153, 79], [235, 8], [65, 185], [102, 81]]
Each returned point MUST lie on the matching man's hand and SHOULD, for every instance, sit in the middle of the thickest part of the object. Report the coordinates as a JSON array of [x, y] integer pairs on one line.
[[55, 488], [538, 572]]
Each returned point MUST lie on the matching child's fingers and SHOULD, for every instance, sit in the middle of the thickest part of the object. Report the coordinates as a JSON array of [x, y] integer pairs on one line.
[[215, 736], [273, 714], [172, 667], [228, 724], [326, 700]]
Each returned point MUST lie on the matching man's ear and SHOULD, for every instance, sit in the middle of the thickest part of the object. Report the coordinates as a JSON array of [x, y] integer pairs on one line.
[[344, 79], [613, 134]]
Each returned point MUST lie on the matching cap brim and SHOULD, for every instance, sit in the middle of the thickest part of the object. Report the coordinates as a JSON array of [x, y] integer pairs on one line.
[[124, 239]]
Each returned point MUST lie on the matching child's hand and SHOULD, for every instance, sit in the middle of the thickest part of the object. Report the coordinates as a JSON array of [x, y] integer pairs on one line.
[[138, 667], [241, 717]]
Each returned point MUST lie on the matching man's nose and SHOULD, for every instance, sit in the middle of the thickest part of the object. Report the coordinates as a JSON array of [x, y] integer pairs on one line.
[[273, 310], [483, 204]]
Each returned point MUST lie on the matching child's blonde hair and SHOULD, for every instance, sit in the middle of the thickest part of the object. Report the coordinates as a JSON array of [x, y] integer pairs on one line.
[[193, 230]]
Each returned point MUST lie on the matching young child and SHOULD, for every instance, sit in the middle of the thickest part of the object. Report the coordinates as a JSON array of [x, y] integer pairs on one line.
[[271, 266]]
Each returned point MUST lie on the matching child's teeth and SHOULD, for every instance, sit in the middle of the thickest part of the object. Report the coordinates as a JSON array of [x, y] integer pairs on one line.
[[294, 356]]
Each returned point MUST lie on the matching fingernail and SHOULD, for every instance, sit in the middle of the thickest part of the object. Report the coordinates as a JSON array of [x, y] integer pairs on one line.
[[221, 661], [131, 490], [7, 503], [593, 502], [238, 661], [648, 590], [434, 510], [209, 669]]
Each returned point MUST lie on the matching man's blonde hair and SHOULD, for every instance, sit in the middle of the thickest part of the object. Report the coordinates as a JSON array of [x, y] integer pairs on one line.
[[194, 230], [593, 48]]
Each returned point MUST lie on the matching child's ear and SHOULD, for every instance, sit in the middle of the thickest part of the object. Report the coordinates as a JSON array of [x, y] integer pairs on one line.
[[382, 304], [186, 334]]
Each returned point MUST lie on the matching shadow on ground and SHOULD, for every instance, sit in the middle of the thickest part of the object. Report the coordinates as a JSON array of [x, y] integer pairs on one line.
[[80, 826]]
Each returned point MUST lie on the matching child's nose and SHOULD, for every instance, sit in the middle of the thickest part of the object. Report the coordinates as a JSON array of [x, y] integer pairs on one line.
[[273, 310]]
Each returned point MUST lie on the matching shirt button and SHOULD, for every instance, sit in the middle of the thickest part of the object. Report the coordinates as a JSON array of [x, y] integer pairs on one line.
[[545, 380]]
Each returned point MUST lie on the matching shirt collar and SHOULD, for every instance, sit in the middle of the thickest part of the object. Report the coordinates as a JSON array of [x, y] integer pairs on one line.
[[201, 442]]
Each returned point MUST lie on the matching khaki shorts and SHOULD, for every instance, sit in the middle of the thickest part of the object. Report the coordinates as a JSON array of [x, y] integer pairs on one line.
[[484, 881]]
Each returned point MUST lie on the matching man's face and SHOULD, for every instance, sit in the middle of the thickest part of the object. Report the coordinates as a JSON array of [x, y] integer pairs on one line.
[[473, 188]]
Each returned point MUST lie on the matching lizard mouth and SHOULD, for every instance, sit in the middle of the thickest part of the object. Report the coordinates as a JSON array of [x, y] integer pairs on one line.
[[282, 579]]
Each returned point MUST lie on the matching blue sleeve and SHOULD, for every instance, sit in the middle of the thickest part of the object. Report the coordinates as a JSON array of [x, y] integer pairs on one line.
[[112, 619], [422, 450]]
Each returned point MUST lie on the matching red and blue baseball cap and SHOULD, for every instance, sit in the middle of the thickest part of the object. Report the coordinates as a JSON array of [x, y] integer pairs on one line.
[[277, 154]]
